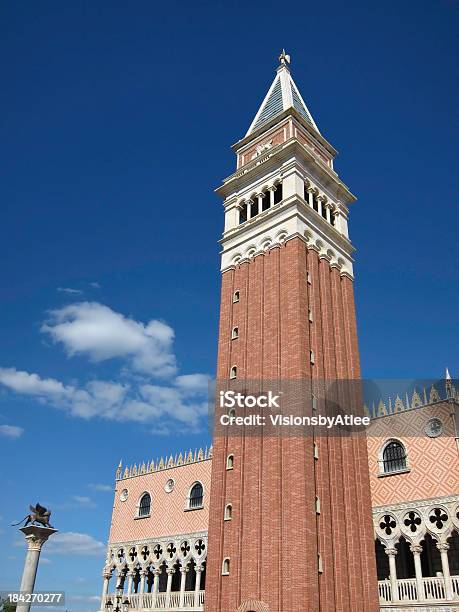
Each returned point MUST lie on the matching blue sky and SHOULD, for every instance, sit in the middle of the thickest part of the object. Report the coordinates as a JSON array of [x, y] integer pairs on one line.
[[116, 123]]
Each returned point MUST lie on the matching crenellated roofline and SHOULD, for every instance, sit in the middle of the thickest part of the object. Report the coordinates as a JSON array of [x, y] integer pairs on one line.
[[163, 463]]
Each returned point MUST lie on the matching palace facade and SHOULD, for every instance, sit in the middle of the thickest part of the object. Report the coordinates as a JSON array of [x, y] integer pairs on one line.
[[272, 523]]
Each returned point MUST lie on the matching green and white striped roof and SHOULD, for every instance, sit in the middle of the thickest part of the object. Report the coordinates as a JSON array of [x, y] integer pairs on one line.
[[282, 95]]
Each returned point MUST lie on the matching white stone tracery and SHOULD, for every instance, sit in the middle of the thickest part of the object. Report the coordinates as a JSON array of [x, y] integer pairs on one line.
[[135, 569], [413, 521]]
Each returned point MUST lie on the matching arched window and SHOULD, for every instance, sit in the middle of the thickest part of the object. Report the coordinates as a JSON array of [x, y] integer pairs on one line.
[[315, 202], [235, 333], [236, 296], [278, 194], [243, 213], [233, 372], [196, 496], [394, 457], [226, 567], [265, 201], [230, 460], [228, 512], [145, 505]]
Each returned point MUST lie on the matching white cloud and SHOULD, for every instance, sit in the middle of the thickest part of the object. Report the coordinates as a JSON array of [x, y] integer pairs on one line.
[[99, 333], [173, 403], [71, 543], [11, 431], [84, 500], [84, 598], [69, 290], [30, 384], [45, 561], [198, 383], [95, 285], [144, 403], [100, 487], [95, 330]]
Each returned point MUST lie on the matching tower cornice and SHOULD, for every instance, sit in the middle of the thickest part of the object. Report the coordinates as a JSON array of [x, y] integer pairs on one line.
[[278, 154]]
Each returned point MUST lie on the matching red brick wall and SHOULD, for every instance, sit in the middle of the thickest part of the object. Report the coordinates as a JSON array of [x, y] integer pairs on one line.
[[275, 534], [277, 136]]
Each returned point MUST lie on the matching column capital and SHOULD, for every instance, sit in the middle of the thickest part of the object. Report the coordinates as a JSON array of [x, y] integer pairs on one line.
[[170, 571], [198, 569], [416, 549], [391, 552], [156, 571], [144, 571], [36, 536], [443, 546], [184, 569]]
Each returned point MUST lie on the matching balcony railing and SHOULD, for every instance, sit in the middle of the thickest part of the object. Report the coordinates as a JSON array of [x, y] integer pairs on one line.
[[189, 601], [433, 590]]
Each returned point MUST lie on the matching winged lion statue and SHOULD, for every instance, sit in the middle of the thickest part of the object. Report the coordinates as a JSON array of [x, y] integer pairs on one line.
[[39, 514]]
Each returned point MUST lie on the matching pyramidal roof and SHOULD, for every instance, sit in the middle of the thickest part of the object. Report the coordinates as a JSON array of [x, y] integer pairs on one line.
[[282, 95]]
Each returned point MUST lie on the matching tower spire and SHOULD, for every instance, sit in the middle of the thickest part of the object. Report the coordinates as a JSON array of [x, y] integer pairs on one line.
[[282, 96]]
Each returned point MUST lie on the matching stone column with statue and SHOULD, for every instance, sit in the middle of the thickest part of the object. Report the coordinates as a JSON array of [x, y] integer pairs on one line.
[[37, 529]]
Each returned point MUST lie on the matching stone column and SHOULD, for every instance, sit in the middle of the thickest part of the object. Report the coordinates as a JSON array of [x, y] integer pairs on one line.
[[183, 571], [35, 538], [143, 577], [391, 552], [197, 587], [443, 548], [130, 576], [260, 202], [170, 571], [327, 212], [107, 574], [156, 573], [271, 196], [417, 550]]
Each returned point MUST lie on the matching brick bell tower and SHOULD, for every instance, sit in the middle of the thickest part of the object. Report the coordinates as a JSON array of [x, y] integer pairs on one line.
[[290, 517]]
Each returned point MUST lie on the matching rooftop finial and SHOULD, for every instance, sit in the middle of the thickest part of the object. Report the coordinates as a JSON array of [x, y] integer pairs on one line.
[[447, 375], [284, 58]]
